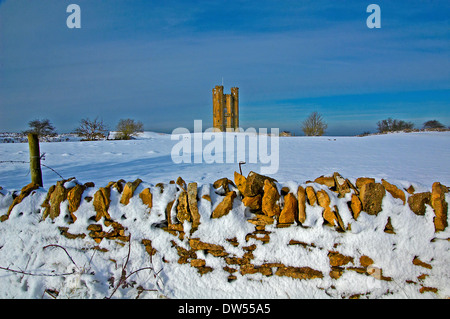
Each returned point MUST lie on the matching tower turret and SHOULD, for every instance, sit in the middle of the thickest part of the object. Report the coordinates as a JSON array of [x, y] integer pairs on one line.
[[225, 109]]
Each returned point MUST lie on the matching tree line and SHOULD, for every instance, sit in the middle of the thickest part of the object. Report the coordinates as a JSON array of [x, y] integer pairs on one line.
[[88, 130], [315, 125]]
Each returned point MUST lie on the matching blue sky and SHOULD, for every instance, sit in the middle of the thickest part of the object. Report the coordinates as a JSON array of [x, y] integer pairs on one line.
[[157, 62]]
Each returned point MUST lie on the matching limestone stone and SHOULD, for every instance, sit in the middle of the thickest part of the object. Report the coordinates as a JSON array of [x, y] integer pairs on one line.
[[222, 185], [237, 260], [118, 232], [65, 232], [364, 180], [148, 247], [217, 253], [198, 262], [180, 182], [410, 189], [204, 270], [377, 273], [352, 187], [299, 272], [311, 195], [365, 261], [418, 201], [355, 206], [117, 185], [301, 243], [394, 190], [261, 220], [329, 215], [336, 272], [339, 221], [325, 180], [284, 191], [290, 210], [74, 198], [389, 228], [184, 253], [254, 184], [207, 197], [192, 201], [24, 192], [416, 261], [101, 203], [225, 206], [171, 220], [261, 235], [46, 203], [440, 206], [252, 269], [342, 185], [301, 197], [270, 207], [146, 197], [254, 203], [128, 191], [424, 289], [95, 227], [214, 249], [233, 241], [240, 181], [182, 208], [323, 198], [89, 184], [371, 197], [58, 195], [338, 259]]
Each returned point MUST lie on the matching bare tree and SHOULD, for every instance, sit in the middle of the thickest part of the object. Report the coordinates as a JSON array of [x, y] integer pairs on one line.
[[433, 124], [41, 127], [128, 128], [314, 125], [390, 125], [91, 130]]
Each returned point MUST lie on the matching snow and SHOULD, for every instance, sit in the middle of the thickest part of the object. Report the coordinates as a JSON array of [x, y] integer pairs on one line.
[[417, 159]]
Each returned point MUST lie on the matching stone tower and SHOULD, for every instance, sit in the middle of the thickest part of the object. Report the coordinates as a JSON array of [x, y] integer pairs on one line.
[[225, 109]]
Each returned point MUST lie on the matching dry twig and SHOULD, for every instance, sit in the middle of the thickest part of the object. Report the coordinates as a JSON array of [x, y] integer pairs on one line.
[[54, 245], [124, 277]]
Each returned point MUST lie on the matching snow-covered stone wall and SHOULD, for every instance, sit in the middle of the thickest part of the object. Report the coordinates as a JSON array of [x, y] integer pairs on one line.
[[330, 237]]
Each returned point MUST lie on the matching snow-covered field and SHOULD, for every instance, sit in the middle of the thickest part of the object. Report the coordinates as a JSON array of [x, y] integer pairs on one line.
[[417, 159]]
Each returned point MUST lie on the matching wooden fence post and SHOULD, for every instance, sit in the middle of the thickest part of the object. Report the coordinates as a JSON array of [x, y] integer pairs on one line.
[[35, 159]]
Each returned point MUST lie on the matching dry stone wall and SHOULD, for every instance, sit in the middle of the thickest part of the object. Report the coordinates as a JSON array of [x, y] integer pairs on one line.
[[270, 206]]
